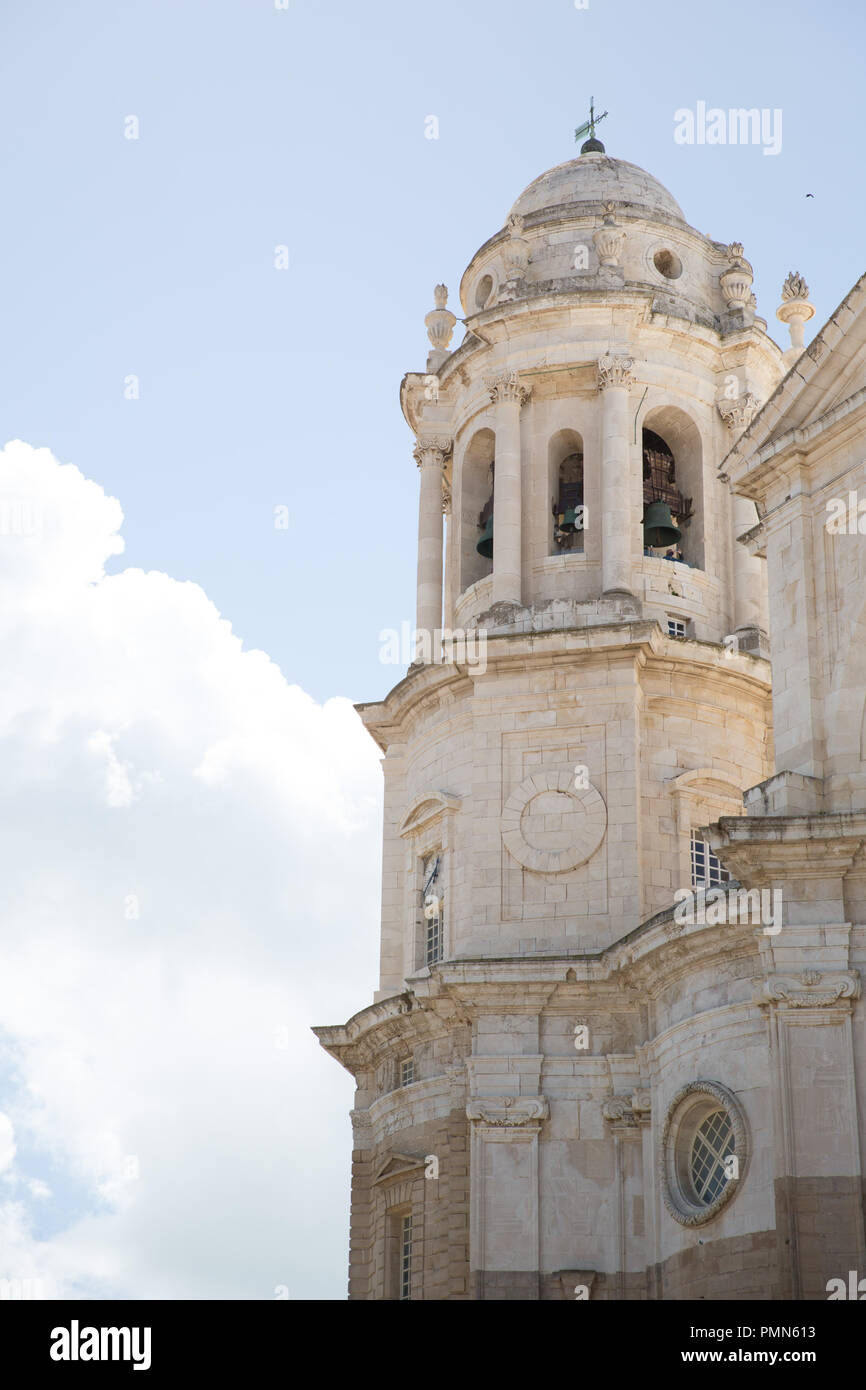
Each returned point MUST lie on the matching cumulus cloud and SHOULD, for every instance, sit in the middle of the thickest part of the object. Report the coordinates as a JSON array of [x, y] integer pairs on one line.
[[190, 881]]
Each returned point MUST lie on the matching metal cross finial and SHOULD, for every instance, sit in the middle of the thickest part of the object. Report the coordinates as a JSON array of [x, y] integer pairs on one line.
[[591, 124]]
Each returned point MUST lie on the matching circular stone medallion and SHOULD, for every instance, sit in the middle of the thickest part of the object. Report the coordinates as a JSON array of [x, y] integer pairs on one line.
[[549, 825]]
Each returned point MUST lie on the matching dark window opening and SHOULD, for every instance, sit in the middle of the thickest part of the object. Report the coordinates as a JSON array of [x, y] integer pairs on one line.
[[666, 510], [568, 508], [485, 522]]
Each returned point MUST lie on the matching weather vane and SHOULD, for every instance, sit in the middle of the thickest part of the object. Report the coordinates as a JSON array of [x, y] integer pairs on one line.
[[591, 124]]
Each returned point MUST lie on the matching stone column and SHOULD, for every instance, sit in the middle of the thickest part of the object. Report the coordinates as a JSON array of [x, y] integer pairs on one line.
[[430, 456], [508, 396], [748, 571], [504, 1195], [450, 555], [628, 1118], [614, 379]]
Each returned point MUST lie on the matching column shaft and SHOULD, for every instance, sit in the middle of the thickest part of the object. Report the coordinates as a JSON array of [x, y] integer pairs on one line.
[[509, 396], [616, 491], [430, 456]]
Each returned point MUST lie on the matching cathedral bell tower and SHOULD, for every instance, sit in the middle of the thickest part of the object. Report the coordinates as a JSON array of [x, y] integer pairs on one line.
[[555, 1075]]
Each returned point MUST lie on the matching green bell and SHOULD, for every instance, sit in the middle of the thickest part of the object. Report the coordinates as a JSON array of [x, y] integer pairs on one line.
[[658, 526], [485, 544], [566, 520]]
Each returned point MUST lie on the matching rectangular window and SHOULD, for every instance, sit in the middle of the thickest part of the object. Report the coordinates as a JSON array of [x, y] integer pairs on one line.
[[434, 939], [707, 870], [676, 627], [432, 908], [406, 1257], [407, 1071]]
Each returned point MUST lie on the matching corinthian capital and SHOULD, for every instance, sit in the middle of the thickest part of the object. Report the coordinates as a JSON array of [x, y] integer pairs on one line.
[[614, 369], [739, 414], [507, 387], [431, 450]]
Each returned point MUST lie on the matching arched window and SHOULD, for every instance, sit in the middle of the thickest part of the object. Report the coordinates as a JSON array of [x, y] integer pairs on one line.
[[565, 480], [673, 479], [476, 509], [666, 511]]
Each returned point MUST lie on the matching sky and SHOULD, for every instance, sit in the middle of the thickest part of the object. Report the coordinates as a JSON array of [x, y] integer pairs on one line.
[[190, 808]]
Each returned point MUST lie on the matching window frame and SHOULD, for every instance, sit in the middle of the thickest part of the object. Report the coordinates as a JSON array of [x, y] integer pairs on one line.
[[717, 874], [689, 1108]]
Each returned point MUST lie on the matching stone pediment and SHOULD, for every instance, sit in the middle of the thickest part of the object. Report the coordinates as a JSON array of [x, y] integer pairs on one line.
[[425, 809], [397, 1166]]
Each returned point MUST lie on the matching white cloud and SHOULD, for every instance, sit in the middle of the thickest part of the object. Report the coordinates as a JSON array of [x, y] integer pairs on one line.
[[7, 1143], [190, 866]]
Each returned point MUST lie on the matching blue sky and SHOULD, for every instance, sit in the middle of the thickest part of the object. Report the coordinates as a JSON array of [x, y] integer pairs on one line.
[[305, 127], [262, 127]]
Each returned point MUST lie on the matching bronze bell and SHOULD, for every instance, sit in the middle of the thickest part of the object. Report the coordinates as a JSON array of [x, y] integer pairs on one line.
[[658, 526], [485, 544]]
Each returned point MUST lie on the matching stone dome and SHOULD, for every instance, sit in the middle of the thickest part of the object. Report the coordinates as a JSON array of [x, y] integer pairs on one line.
[[596, 178]]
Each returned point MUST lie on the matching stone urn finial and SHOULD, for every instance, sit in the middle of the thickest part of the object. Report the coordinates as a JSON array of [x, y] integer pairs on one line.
[[440, 327], [736, 281], [608, 238], [795, 310], [795, 286]]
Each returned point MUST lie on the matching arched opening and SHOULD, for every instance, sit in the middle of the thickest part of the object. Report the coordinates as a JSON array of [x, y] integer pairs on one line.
[[476, 508], [568, 512], [483, 291], [672, 488]]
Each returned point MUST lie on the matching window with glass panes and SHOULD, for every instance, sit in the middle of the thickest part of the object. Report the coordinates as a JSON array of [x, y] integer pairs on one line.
[[406, 1257], [707, 869], [712, 1145], [433, 908]]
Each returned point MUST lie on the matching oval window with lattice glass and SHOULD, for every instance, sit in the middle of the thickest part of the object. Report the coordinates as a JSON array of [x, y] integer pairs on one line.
[[712, 1148], [704, 1152]]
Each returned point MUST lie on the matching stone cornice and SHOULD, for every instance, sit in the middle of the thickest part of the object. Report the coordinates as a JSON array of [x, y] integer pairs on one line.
[[620, 978], [758, 848], [423, 688], [368, 1036]]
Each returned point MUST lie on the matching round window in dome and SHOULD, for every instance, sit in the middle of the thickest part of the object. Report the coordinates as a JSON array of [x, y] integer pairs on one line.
[[668, 264]]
